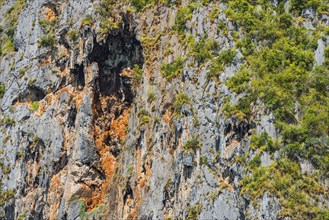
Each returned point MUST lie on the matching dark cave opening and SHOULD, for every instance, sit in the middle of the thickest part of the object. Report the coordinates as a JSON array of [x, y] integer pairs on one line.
[[113, 92], [79, 75], [120, 51]]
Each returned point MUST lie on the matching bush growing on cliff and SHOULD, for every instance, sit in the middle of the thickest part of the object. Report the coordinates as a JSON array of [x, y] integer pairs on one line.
[[138, 73], [226, 57], [73, 35], [180, 101], [2, 90], [192, 144], [141, 4], [144, 117], [184, 13], [172, 70], [204, 50], [279, 72], [86, 21], [47, 41], [8, 47], [34, 106]]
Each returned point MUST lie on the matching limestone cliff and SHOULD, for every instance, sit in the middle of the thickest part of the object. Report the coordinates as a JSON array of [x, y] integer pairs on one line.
[[171, 109]]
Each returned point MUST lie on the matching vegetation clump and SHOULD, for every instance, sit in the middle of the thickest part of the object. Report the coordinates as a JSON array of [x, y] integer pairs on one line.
[[34, 106], [192, 144], [181, 100], [280, 72], [73, 35], [2, 90], [47, 40], [172, 70]]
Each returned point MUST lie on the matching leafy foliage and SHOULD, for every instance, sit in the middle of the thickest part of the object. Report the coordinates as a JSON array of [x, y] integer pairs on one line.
[[2, 90], [47, 40], [280, 72], [172, 70], [181, 99]]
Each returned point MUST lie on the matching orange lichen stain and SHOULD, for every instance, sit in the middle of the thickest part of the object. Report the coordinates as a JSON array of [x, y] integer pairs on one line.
[[78, 98], [167, 116], [119, 125], [94, 197], [42, 107], [59, 93], [148, 170], [64, 73], [49, 14], [142, 181], [109, 164], [230, 148], [132, 214], [127, 72], [56, 190]]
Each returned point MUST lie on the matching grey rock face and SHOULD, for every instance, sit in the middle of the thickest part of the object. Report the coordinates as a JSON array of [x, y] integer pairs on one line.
[[319, 53]]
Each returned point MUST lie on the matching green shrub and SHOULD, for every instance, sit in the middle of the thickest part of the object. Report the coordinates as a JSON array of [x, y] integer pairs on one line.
[[7, 121], [299, 5], [192, 144], [181, 100], [6, 139], [34, 106], [172, 70], [13, 13], [8, 47], [263, 141], [73, 35], [204, 50], [151, 95], [107, 25], [183, 15], [214, 14], [141, 4], [279, 72], [194, 211], [284, 179], [138, 73], [87, 21], [2, 90], [47, 41], [21, 73], [144, 117], [43, 23], [224, 58]]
